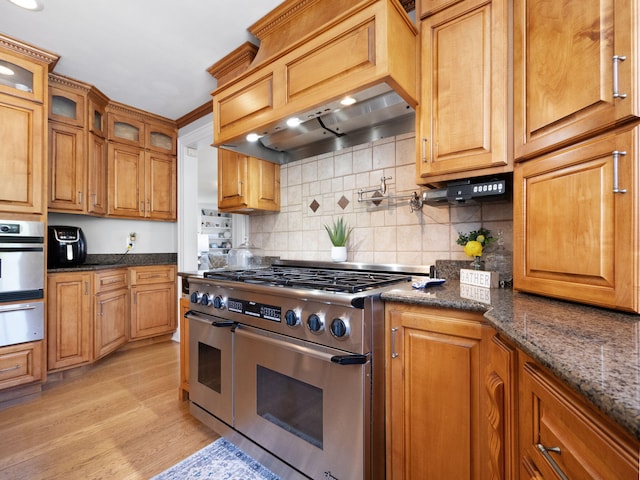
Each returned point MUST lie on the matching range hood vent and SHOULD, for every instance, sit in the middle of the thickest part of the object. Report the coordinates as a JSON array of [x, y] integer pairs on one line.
[[305, 74]]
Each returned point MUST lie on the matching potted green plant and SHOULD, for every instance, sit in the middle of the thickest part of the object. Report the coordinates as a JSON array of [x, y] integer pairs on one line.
[[339, 234]]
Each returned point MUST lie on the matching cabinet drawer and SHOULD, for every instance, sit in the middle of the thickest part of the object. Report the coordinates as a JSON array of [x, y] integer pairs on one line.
[[581, 442], [108, 280], [152, 274], [20, 364]]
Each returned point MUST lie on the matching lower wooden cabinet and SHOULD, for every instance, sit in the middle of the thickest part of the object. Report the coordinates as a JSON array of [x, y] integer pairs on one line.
[[184, 350], [69, 319], [435, 403], [153, 300], [111, 311], [560, 432], [21, 364]]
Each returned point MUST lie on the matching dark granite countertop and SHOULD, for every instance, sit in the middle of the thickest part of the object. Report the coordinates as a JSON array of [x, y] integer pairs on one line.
[[106, 261], [594, 351]]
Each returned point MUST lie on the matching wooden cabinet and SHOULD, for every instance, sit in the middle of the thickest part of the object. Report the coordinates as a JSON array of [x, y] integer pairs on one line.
[[463, 119], [246, 183], [501, 385], [183, 391], [21, 364], [575, 236], [153, 300], [568, 68], [77, 153], [69, 319], [111, 311], [142, 165], [436, 420], [560, 432], [23, 127]]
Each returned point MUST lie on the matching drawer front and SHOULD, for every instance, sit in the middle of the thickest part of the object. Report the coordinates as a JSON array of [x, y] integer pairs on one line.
[[20, 364], [111, 280], [560, 432], [152, 274]]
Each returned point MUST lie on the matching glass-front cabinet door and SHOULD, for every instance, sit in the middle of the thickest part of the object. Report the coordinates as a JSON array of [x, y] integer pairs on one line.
[[21, 78]]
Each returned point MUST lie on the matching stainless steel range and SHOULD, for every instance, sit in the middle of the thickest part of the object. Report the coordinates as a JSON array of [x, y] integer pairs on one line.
[[288, 363]]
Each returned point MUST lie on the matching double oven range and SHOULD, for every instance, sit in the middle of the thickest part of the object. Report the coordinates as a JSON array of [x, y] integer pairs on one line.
[[287, 362]]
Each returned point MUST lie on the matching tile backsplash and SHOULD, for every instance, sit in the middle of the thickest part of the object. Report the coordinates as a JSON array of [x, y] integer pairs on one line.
[[317, 190]]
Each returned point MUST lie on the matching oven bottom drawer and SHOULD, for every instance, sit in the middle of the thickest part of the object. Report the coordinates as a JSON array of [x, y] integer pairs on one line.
[[291, 399], [21, 322]]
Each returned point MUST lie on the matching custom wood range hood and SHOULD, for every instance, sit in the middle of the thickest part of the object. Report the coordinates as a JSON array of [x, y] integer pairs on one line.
[[312, 55]]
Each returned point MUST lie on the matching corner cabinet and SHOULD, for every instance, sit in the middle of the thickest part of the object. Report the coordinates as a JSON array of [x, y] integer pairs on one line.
[[111, 311], [247, 183], [577, 222], [576, 71], [463, 119], [23, 136], [153, 300], [436, 420]]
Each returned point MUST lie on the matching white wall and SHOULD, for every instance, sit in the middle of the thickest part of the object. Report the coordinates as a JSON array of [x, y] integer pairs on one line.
[[384, 234], [109, 235]]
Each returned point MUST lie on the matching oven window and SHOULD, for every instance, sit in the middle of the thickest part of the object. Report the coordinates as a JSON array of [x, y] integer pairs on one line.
[[210, 367], [290, 404]]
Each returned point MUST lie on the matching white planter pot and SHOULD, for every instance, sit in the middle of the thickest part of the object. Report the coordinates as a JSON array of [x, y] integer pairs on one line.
[[339, 254]]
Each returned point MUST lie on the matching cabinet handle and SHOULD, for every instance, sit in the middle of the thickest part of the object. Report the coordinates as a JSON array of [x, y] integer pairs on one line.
[[86, 288], [9, 369], [545, 453], [394, 354], [616, 157], [95, 199], [142, 207], [616, 62], [424, 150], [80, 198]]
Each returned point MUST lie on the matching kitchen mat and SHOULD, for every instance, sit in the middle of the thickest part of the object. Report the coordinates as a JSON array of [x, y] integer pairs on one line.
[[221, 460]]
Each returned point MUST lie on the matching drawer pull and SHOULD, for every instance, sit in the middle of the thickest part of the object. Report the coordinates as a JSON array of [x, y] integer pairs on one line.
[[545, 453], [9, 369]]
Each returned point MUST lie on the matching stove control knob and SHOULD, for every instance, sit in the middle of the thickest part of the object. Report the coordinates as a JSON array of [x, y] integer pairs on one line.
[[218, 302], [196, 297], [206, 300], [315, 323], [339, 328], [291, 318]]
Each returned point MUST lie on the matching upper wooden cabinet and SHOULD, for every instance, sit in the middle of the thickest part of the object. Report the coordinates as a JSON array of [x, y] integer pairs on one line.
[[142, 164], [23, 136], [429, 7], [463, 119], [246, 183], [77, 154], [576, 223], [575, 70]]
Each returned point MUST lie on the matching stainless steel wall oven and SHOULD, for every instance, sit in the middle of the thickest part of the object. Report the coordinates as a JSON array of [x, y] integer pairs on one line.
[[22, 268], [287, 361]]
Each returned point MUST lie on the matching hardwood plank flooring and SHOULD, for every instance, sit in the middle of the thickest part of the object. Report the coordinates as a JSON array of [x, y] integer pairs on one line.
[[120, 419]]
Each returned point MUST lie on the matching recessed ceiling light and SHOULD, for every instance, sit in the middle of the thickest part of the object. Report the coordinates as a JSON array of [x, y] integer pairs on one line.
[[293, 122], [6, 70], [32, 5]]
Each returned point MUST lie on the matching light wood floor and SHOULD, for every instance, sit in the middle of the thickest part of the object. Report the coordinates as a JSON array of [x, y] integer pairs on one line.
[[120, 419]]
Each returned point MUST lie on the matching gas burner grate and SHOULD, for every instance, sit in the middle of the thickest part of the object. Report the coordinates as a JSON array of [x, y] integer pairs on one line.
[[346, 281]]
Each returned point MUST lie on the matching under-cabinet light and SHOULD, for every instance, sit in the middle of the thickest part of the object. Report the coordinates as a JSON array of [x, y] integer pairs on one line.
[[293, 122], [253, 137], [347, 101], [32, 5]]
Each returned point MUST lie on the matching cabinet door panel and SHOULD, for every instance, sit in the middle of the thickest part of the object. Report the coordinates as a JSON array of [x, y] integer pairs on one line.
[[575, 235], [66, 168], [161, 186], [153, 311], [563, 71], [126, 180], [97, 175], [232, 178], [21, 156], [111, 322]]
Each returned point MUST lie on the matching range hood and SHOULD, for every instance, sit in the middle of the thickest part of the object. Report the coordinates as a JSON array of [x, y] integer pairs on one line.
[[306, 65]]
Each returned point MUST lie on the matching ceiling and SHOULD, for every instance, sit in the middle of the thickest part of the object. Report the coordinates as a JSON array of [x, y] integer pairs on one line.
[[150, 54]]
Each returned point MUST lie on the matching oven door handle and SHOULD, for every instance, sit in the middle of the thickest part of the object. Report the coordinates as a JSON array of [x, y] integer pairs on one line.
[[207, 319], [303, 349]]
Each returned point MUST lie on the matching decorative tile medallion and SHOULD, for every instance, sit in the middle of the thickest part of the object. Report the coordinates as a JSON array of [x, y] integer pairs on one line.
[[343, 202], [314, 206]]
